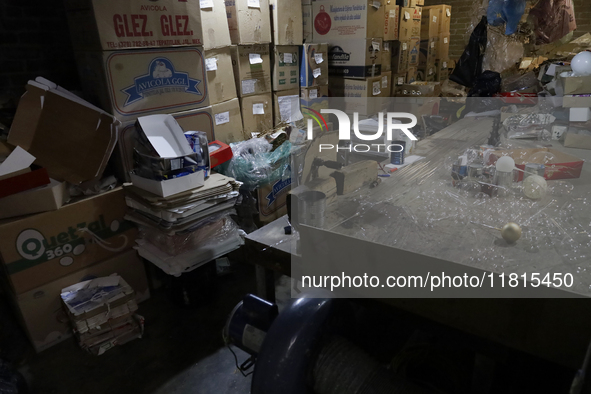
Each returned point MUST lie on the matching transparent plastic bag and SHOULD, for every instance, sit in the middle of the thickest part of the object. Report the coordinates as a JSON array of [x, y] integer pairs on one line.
[[216, 231], [502, 52], [255, 164]]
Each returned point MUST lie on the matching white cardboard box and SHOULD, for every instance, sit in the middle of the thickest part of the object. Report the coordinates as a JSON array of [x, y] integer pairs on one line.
[[347, 19], [141, 82], [355, 57], [580, 114]]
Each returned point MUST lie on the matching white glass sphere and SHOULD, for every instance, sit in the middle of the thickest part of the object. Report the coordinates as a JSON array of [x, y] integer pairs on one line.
[[581, 64], [505, 164], [535, 187]]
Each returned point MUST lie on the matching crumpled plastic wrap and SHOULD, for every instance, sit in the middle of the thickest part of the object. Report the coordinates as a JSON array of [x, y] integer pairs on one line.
[[502, 52], [552, 20], [255, 164], [216, 229], [529, 126]]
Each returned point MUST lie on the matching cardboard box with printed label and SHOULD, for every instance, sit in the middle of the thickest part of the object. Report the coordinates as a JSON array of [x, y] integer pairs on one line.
[[272, 200], [113, 25], [308, 34], [444, 17], [355, 58], [286, 106], [38, 249], [443, 46], [287, 22], [428, 51], [347, 19], [429, 23], [414, 51], [220, 75], [410, 23], [359, 88], [410, 3], [257, 113], [252, 69], [227, 122], [442, 70], [400, 50], [427, 72], [387, 56], [313, 65], [315, 98], [249, 21], [386, 83], [214, 24], [40, 309], [286, 67], [143, 82], [419, 89], [411, 74], [391, 20], [397, 80]]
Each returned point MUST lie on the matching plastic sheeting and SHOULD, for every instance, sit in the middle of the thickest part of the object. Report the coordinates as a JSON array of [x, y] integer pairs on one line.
[[552, 20], [255, 164], [502, 52]]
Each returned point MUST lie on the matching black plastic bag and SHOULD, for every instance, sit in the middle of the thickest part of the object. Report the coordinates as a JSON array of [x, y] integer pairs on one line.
[[469, 66], [487, 85]]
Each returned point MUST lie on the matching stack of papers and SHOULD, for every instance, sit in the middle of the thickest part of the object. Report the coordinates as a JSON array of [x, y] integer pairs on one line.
[[102, 313], [181, 232]]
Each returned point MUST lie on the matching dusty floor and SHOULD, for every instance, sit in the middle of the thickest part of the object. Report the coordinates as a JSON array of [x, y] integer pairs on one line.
[[182, 351]]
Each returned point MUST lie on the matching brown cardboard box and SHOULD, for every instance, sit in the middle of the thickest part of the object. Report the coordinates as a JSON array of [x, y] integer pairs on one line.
[[252, 69], [342, 19], [387, 56], [286, 106], [286, 75], [429, 23], [386, 83], [257, 113], [287, 22], [249, 21], [355, 58], [41, 199], [428, 51], [414, 49], [574, 101], [227, 121], [214, 24], [220, 75], [410, 23], [391, 20], [411, 3], [141, 82], [272, 200], [400, 50], [315, 97], [443, 46], [40, 309], [427, 72], [38, 249], [411, 75], [578, 137], [361, 88], [419, 89], [314, 65], [307, 22], [111, 25], [397, 80], [68, 136], [442, 72], [444, 18]]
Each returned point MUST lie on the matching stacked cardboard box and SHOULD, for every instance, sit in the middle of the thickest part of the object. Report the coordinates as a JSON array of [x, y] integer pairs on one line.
[[435, 40], [102, 313], [409, 41]]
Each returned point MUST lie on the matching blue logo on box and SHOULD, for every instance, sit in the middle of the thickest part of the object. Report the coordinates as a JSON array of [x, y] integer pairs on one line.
[[161, 78], [278, 187]]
